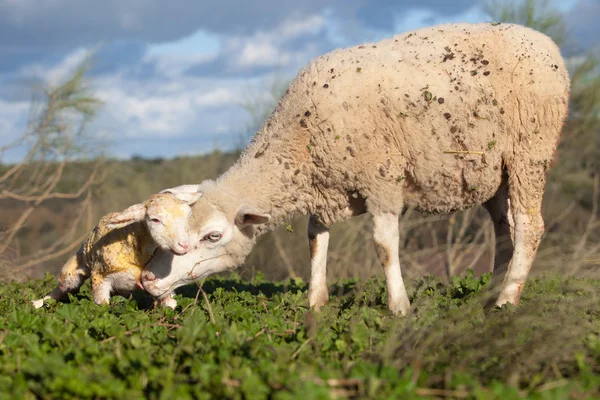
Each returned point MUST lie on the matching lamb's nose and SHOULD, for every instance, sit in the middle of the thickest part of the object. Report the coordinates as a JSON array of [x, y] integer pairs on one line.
[[184, 245], [148, 276]]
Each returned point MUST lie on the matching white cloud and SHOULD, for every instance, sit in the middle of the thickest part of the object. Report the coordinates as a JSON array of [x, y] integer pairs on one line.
[[13, 121], [12, 114], [269, 48], [168, 108], [174, 65], [261, 53], [57, 73], [416, 18], [299, 27]]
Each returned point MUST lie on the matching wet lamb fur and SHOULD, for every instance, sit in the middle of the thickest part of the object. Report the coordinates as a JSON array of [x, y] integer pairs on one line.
[[439, 119], [115, 257]]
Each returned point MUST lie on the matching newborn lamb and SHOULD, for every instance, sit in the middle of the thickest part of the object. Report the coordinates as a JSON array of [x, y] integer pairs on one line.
[[115, 252]]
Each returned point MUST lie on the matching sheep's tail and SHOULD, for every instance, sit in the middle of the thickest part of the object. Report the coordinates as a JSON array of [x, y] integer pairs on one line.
[[72, 276]]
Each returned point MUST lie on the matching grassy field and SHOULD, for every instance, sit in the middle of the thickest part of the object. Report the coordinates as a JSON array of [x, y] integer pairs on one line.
[[257, 339]]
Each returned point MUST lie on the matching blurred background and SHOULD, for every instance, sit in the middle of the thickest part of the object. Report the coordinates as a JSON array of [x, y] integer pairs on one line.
[[105, 102]]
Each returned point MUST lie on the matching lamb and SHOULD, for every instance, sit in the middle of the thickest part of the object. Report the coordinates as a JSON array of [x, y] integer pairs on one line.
[[117, 249], [439, 119]]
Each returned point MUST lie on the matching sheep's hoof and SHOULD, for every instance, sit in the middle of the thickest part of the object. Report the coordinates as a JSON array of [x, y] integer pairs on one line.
[[318, 299], [39, 303], [401, 307]]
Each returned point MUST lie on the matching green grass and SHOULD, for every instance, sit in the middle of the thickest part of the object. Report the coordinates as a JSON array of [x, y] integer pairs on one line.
[[257, 340]]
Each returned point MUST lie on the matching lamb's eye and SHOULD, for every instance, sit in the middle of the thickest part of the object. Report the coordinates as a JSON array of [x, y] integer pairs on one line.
[[213, 237], [155, 220]]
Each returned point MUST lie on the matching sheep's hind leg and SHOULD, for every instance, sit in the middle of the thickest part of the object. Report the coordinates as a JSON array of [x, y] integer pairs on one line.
[[387, 238], [318, 240], [525, 192], [499, 209]]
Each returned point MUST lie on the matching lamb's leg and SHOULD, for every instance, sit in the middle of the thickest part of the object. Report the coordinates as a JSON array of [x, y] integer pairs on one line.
[[318, 240], [525, 189], [500, 212], [387, 238], [55, 294], [101, 289], [71, 277], [168, 301]]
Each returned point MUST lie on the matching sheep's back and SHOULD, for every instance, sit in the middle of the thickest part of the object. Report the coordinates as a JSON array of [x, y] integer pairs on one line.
[[434, 111]]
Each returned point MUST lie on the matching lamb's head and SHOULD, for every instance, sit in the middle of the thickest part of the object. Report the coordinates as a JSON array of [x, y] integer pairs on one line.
[[223, 235], [166, 216]]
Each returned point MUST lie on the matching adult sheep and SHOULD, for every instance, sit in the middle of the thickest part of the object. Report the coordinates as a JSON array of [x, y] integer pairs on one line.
[[439, 119]]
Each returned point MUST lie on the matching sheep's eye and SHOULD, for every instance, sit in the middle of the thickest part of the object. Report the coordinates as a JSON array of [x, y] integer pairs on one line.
[[213, 237], [155, 220]]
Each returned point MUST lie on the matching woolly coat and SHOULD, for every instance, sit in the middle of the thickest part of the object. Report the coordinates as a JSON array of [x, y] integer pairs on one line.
[[433, 119], [107, 251]]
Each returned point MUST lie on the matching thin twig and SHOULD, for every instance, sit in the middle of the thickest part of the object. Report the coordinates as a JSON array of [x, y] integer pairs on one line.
[[76, 243], [552, 385], [591, 220], [463, 152], [210, 313], [442, 392], [189, 305], [90, 181], [251, 338], [3, 335], [285, 259], [302, 346]]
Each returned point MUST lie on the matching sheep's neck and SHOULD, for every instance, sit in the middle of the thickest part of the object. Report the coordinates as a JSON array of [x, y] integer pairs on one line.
[[271, 179]]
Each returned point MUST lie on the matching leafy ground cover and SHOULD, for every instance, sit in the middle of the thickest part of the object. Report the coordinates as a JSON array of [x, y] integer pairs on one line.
[[257, 339]]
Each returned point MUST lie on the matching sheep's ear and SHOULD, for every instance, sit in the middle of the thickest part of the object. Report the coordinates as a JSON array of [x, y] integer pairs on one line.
[[135, 213], [182, 189], [247, 215], [189, 198]]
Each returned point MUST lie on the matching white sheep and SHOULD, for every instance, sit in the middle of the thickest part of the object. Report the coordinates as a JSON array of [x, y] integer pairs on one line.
[[117, 249], [439, 119]]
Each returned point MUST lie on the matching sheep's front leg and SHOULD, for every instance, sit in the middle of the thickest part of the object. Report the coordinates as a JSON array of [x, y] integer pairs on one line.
[[386, 235], [318, 240]]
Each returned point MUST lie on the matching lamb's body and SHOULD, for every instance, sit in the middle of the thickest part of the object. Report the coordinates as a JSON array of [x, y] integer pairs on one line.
[[440, 119], [114, 257]]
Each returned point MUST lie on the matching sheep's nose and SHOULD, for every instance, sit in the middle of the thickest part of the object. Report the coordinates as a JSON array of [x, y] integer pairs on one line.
[[184, 245], [148, 276]]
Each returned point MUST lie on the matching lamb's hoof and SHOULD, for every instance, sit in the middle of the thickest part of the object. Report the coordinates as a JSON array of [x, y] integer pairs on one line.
[[169, 302], [39, 303]]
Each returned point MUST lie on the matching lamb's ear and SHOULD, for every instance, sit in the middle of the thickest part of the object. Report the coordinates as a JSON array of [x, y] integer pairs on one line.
[[135, 213], [189, 198], [247, 215]]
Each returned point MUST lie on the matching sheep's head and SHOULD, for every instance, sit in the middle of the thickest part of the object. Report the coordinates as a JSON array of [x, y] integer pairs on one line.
[[166, 216], [223, 236]]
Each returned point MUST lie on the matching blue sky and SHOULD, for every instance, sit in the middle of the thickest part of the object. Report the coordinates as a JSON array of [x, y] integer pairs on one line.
[[174, 74]]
